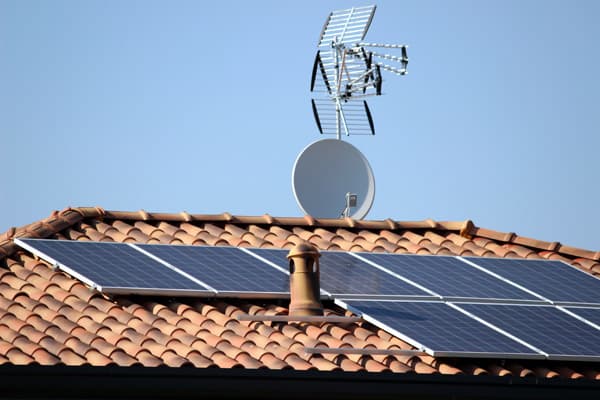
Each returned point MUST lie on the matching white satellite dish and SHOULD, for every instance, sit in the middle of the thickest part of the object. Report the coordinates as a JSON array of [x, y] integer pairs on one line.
[[332, 179]]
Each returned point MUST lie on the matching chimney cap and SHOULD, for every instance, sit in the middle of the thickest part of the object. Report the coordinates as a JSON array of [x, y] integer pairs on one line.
[[303, 249]]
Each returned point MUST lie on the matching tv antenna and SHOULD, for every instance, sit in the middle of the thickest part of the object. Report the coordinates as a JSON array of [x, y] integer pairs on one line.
[[332, 178], [347, 71]]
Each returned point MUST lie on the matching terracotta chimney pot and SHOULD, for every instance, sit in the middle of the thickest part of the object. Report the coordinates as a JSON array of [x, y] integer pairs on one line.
[[305, 288]]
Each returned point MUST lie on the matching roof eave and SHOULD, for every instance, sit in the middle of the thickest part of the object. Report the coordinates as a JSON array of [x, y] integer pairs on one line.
[[143, 382]]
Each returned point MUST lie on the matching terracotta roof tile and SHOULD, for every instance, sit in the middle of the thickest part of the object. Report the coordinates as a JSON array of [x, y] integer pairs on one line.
[[223, 361], [261, 233], [199, 360], [57, 333], [521, 251], [73, 234], [268, 359], [344, 362], [587, 265], [92, 234], [396, 366], [545, 372], [204, 348], [569, 373], [147, 359], [18, 357], [323, 364], [40, 323], [94, 357], [124, 360]]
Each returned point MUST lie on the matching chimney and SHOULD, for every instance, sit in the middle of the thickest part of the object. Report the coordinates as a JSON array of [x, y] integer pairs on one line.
[[304, 281]]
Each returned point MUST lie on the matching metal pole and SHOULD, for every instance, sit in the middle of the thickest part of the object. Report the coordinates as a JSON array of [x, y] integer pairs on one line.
[[338, 119], [338, 111]]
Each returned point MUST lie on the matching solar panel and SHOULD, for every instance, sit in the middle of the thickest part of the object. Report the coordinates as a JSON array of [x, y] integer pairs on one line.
[[345, 276], [113, 267], [556, 333], [439, 329], [347, 26], [229, 270], [448, 276], [553, 280]]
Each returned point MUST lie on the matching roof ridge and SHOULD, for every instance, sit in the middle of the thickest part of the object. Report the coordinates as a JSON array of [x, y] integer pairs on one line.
[[60, 220], [557, 247], [464, 227]]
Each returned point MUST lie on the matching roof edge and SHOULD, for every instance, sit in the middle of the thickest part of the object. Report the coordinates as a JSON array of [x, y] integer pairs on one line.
[[56, 222]]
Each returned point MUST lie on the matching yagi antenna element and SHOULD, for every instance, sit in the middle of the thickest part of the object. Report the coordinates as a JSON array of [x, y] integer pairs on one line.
[[346, 71]]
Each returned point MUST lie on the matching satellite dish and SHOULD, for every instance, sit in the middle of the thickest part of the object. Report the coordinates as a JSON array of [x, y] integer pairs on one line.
[[333, 179]]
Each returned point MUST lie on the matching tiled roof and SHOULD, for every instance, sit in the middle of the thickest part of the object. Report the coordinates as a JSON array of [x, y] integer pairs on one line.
[[48, 318]]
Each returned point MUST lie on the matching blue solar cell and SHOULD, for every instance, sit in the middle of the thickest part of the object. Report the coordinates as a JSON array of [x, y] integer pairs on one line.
[[591, 314], [548, 328], [553, 280], [344, 275], [111, 265], [440, 329], [275, 256], [226, 269], [448, 276]]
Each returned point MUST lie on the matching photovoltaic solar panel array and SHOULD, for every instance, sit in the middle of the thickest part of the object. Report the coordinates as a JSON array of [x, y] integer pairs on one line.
[[120, 268], [445, 306]]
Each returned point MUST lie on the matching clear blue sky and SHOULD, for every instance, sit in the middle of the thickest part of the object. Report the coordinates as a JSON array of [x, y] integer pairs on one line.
[[204, 106]]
